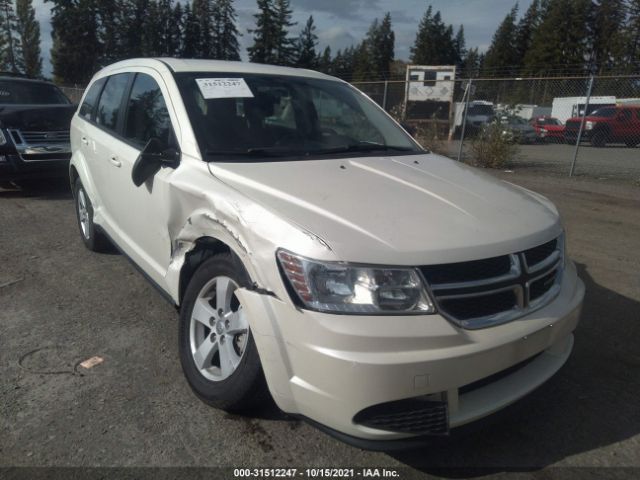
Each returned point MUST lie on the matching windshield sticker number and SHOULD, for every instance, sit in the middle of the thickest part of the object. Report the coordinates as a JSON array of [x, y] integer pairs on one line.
[[224, 88]]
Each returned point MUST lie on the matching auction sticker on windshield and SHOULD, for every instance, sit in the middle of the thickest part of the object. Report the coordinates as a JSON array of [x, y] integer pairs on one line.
[[223, 88]]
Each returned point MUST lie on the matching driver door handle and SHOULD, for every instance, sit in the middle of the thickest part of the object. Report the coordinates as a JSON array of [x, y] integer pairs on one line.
[[85, 140], [114, 161]]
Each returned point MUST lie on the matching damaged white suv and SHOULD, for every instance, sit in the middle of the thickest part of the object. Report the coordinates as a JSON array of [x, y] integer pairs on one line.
[[317, 252]]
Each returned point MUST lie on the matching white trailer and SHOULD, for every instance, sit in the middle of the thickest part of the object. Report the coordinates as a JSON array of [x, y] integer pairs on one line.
[[564, 108]]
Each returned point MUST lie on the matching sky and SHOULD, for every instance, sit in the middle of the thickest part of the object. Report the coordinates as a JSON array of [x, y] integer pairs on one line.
[[341, 23]]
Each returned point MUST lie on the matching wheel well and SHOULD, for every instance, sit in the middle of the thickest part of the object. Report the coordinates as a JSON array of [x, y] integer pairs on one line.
[[205, 247], [73, 176]]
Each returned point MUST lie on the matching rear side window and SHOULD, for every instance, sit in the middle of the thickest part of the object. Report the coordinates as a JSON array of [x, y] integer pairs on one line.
[[147, 114], [91, 98], [111, 100]]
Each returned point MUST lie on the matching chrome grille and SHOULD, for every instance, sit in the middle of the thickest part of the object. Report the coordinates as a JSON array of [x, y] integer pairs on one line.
[[39, 138], [482, 293]]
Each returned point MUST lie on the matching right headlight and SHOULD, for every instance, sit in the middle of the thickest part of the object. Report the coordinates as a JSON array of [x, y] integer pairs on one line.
[[337, 287], [588, 125]]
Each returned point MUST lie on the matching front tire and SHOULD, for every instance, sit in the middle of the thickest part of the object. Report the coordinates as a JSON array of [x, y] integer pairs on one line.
[[91, 236], [599, 139], [217, 350]]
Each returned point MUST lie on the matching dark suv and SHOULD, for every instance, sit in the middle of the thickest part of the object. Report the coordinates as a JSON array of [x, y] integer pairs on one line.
[[34, 129], [607, 125]]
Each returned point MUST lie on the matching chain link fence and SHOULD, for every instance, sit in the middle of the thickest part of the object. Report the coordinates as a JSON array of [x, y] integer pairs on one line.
[[567, 126]]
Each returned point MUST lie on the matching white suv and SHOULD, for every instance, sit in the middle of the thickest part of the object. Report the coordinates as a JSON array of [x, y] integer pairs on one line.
[[317, 252]]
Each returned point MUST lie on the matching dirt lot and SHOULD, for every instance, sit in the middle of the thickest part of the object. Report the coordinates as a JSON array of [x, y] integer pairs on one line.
[[60, 304], [614, 162]]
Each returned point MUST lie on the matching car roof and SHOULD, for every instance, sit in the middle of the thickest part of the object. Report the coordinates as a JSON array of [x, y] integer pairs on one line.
[[16, 78], [196, 65]]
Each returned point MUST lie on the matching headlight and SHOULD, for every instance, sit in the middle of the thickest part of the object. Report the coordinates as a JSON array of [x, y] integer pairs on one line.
[[588, 125], [347, 288], [3, 139]]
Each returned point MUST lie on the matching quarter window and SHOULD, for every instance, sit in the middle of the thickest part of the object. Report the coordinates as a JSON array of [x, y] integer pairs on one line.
[[110, 101], [147, 114], [90, 99]]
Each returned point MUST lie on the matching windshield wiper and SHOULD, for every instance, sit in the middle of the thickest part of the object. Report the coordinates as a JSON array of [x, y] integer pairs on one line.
[[252, 152], [362, 147]]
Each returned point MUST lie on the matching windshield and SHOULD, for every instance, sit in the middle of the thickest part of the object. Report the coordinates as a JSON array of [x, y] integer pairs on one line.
[[280, 116], [603, 112], [30, 93], [480, 110]]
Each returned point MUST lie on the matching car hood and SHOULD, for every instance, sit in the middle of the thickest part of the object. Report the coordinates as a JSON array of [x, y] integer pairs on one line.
[[404, 210], [44, 118]]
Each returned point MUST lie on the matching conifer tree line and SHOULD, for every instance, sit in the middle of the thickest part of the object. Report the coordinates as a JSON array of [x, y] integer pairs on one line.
[[19, 38], [550, 37]]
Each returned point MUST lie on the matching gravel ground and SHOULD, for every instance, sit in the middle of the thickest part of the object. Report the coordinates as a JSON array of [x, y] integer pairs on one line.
[[61, 304], [614, 162]]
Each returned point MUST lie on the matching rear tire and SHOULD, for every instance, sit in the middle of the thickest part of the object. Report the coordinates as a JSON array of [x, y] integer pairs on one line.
[[92, 237], [217, 350]]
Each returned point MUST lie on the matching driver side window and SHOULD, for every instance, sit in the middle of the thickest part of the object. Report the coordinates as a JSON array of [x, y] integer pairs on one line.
[[147, 114]]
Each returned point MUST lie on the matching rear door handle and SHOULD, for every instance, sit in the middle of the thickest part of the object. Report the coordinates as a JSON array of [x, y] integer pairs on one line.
[[114, 161], [85, 140]]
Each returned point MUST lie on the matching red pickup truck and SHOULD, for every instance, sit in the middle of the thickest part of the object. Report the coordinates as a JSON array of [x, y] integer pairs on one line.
[[548, 128], [607, 125]]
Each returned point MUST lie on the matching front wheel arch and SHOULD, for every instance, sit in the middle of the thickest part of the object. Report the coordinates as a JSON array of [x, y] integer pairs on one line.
[[205, 247]]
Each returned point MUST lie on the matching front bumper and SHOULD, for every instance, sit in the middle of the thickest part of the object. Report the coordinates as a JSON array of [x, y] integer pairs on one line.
[[12, 167], [329, 367]]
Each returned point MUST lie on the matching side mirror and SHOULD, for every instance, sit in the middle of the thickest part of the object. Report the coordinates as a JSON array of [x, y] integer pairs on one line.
[[410, 129], [153, 156]]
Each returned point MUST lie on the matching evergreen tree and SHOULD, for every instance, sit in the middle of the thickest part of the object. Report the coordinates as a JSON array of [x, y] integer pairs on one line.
[[434, 43], [471, 64], [460, 47], [343, 63], [285, 51], [501, 57], [362, 63], [109, 24], [307, 57], [74, 61], [153, 31], [176, 30], [10, 53], [225, 44], [201, 12], [632, 31], [325, 63], [561, 43], [265, 34], [29, 33], [608, 41], [134, 13], [527, 26], [381, 44], [190, 34], [167, 20]]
